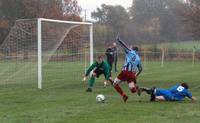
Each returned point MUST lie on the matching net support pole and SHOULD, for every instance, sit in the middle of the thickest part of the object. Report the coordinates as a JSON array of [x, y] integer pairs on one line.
[[39, 54], [85, 58], [91, 44], [193, 57]]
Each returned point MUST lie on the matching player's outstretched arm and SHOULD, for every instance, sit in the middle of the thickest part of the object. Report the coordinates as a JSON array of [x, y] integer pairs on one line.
[[84, 79], [88, 72], [123, 44], [90, 69], [189, 95], [139, 69]]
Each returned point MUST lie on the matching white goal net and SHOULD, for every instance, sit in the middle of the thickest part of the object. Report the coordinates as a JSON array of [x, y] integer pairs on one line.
[[44, 51]]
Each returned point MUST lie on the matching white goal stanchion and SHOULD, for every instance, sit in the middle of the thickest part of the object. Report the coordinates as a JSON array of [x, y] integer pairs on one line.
[[39, 40], [40, 20], [36, 43]]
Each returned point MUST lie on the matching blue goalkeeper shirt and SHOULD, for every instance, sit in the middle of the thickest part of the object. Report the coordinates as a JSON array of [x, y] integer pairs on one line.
[[179, 92]]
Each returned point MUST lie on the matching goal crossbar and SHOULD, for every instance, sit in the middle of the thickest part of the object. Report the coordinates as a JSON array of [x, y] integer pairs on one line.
[[60, 21], [39, 38]]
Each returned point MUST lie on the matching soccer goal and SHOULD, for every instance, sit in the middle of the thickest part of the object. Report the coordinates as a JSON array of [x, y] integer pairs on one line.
[[45, 51]]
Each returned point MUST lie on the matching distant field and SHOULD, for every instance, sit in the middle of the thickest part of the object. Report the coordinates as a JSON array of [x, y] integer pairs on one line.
[[184, 45], [187, 45], [63, 98]]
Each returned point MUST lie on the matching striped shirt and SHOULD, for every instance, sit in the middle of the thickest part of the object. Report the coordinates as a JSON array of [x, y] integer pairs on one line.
[[132, 59]]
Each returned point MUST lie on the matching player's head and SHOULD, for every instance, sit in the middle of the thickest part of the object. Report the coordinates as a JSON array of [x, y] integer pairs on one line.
[[100, 59], [185, 85], [135, 48], [114, 44]]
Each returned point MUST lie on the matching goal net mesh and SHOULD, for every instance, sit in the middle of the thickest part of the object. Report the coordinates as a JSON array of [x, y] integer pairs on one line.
[[65, 53]]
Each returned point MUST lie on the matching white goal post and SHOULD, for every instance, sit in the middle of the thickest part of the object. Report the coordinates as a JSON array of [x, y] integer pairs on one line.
[[45, 52], [39, 39]]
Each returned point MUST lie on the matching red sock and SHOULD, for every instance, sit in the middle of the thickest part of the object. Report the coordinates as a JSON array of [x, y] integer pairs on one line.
[[133, 90], [119, 90]]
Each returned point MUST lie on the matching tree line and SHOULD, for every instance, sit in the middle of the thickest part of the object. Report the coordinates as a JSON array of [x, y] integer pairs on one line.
[[149, 21], [11, 10], [146, 21]]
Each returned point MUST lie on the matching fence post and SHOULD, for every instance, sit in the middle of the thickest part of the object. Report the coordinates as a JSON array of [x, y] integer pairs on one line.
[[163, 56], [193, 56], [144, 58]]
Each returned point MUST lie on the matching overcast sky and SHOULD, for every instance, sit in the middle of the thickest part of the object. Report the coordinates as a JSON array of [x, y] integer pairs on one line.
[[91, 5]]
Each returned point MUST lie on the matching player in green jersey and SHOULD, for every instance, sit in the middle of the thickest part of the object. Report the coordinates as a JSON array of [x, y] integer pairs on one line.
[[100, 66]]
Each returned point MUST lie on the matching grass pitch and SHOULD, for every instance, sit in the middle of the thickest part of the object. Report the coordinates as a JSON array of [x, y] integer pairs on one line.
[[63, 98]]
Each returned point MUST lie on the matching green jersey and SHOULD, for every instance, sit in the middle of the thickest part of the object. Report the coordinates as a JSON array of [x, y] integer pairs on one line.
[[103, 66]]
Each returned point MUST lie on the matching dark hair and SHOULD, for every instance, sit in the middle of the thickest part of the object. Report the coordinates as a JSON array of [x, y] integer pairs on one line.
[[135, 48], [185, 85]]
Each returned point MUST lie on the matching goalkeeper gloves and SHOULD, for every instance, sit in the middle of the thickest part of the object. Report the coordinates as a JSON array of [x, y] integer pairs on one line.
[[84, 79]]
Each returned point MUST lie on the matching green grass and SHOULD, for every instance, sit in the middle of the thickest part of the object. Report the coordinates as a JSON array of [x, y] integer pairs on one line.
[[63, 98], [187, 45]]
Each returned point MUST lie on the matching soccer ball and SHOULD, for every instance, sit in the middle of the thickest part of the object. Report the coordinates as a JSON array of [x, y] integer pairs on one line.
[[100, 98]]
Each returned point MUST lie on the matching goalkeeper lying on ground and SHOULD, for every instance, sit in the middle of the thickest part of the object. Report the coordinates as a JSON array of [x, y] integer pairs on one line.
[[175, 93], [99, 67]]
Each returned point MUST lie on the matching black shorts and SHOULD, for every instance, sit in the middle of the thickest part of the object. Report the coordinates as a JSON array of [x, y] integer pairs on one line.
[[99, 72]]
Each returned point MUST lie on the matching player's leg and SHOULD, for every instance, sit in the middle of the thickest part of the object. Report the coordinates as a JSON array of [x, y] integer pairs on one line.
[[161, 95], [110, 63], [150, 91], [117, 87], [96, 73], [116, 83], [131, 79], [158, 94], [91, 82], [115, 64], [160, 98], [147, 90], [134, 88]]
